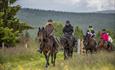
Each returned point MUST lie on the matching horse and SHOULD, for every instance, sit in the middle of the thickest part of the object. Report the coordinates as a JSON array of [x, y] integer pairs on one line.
[[67, 45], [89, 44], [48, 46], [104, 45]]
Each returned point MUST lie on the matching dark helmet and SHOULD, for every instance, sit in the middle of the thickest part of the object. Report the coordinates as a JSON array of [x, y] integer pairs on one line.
[[90, 26], [68, 23], [103, 29], [92, 31], [87, 30], [50, 20]]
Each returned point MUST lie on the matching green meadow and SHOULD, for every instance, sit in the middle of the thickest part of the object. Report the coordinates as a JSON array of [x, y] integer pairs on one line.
[[21, 58]]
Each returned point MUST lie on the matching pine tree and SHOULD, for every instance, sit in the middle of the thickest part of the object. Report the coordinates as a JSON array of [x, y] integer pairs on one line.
[[10, 26], [78, 32]]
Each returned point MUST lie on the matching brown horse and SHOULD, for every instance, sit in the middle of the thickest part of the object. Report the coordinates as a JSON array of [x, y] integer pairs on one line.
[[47, 45], [104, 45], [90, 44]]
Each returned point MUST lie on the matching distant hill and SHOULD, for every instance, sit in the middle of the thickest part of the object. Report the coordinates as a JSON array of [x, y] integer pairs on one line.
[[36, 18], [107, 11]]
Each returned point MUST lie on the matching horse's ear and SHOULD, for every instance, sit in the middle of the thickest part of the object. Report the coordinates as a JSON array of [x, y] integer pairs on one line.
[[39, 29], [42, 28]]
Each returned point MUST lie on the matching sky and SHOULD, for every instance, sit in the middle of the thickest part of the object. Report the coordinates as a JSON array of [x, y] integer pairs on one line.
[[69, 5]]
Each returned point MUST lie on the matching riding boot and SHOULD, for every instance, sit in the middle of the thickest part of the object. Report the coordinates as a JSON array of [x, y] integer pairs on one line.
[[40, 48], [108, 45]]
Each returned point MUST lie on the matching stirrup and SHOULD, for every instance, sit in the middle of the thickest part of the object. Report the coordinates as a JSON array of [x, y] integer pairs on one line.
[[39, 50]]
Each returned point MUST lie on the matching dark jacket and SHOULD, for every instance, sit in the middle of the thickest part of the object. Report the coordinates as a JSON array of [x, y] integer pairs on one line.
[[68, 29]]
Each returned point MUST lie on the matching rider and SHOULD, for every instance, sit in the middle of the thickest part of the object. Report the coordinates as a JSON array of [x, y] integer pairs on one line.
[[105, 37], [68, 31], [90, 32], [49, 28], [68, 28]]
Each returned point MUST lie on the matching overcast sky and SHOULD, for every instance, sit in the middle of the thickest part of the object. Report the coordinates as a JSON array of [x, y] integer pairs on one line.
[[69, 5]]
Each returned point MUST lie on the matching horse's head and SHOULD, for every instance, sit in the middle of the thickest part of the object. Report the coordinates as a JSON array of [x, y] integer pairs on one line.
[[42, 34]]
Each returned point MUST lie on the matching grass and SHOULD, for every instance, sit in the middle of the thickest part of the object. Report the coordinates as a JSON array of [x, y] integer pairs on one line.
[[21, 58]]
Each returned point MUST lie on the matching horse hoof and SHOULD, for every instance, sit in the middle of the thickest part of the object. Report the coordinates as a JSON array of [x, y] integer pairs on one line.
[[46, 66], [54, 64]]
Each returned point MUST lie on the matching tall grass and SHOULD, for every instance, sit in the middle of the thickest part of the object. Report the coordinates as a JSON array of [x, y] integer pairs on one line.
[[99, 61], [21, 58]]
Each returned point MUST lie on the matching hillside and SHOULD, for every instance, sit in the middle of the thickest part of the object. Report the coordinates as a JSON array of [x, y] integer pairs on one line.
[[38, 18], [107, 11]]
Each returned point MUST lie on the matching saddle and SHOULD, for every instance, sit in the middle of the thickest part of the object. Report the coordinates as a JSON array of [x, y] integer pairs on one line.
[[69, 38]]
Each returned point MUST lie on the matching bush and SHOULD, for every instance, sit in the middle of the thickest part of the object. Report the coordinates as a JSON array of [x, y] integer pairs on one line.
[[58, 29], [78, 32]]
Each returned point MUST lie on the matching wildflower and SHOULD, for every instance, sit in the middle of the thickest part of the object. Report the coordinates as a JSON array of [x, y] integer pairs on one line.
[[20, 67], [66, 67]]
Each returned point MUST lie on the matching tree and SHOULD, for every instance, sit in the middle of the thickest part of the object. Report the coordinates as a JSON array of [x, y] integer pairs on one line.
[[58, 29], [78, 33], [10, 25]]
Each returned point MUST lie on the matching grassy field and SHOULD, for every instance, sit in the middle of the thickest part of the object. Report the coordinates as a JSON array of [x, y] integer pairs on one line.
[[21, 58]]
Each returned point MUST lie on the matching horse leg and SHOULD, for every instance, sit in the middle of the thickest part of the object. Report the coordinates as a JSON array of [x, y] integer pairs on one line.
[[70, 52], [54, 59], [86, 51], [65, 53], [95, 50], [47, 60], [91, 51]]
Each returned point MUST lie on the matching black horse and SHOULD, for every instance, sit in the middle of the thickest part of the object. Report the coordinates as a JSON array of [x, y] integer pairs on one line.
[[68, 43]]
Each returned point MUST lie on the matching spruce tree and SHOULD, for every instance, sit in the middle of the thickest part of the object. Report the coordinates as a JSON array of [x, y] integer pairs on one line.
[[10, 25]]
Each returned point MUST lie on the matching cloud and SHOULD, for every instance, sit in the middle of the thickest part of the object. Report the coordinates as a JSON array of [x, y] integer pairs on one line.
[[66, 1], [69, 5], [101, 4]]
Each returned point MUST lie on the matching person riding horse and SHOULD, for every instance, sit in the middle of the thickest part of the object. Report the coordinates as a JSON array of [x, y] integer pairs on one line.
[[49, 28], [90, 33], [106, 38], [89, 40], [67, 40], [68, 30]]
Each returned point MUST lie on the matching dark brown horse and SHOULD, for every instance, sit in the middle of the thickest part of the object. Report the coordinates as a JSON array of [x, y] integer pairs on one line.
[[102, 45], [68, 45], [89, 45], [47, 45]]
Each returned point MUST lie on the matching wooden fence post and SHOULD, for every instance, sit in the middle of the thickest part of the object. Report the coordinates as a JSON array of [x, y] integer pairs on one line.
[[78, 49], [81, 46], [2, 45]]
